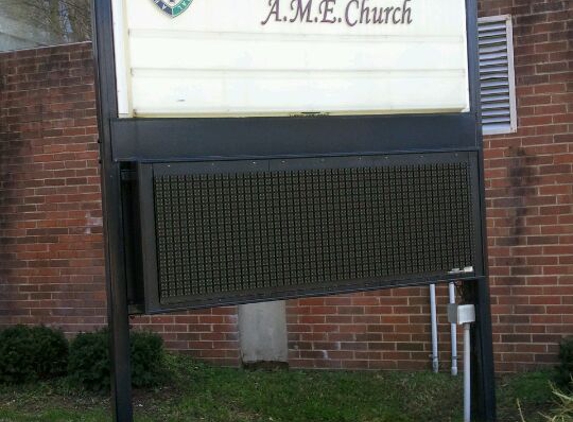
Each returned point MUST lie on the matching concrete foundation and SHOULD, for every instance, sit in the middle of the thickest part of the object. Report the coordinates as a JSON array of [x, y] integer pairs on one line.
[[263, 333]]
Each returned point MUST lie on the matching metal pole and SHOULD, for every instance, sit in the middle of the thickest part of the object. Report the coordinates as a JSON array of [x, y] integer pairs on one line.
[[467, 374], [435, 361], [481, 352], [477, 291], [483, 379], [453, 333], [118, 318]]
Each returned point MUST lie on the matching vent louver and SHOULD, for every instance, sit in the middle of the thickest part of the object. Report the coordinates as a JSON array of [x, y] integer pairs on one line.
[[497, 75]]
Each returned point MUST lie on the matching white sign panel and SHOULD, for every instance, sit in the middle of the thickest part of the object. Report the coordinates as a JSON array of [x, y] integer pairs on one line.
[[187, 58]]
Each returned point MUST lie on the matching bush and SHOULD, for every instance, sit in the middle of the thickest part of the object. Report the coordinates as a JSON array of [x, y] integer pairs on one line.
[[147, 359], [32, 353], [565, 368], [52, 350], [89, 363]]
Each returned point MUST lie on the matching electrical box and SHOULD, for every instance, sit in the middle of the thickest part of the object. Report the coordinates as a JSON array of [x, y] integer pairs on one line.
[[461, 314]]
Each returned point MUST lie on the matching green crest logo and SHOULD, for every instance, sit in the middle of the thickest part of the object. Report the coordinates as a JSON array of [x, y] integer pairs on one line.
[[173, 8]]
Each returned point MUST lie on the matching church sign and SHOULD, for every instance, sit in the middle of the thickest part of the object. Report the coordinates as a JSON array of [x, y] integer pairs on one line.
[[257, 150], [283, 57]]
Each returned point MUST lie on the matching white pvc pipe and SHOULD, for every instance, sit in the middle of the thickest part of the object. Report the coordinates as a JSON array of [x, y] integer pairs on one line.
[[435, 361], [453, 333], [467, 375]]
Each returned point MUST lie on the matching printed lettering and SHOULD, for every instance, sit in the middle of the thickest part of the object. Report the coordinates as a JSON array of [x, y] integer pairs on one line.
[[326, 8], [274, 11], [301, 11], [388, 11], [345, 12], [378, 15], [406, 10], [364, 12], [396, 11]]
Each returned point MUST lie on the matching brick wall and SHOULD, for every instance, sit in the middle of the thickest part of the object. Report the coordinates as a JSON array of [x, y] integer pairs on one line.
[[51, 260], [530, 189], [51, 242], [388, 329]]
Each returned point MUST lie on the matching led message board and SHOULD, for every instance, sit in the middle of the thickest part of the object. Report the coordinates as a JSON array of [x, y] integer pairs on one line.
[[230, 232], [282, 57]]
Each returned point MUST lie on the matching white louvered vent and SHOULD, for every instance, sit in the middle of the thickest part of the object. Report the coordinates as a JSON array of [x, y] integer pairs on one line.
[[497, 75]]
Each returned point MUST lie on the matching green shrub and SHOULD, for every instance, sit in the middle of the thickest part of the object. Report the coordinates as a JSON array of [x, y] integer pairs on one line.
[[89, 363], [147, 359], [31, 353], [16, 351], [52, 350], [565, 368]]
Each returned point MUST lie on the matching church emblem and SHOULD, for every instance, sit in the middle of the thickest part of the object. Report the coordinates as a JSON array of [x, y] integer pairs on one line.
[[173, 8]]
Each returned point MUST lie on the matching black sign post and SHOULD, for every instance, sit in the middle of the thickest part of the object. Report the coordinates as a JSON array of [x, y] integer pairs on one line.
[[207, 212], [118, 318]]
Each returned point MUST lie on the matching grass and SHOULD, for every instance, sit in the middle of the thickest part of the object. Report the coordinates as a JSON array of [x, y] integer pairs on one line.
[[199, 392]]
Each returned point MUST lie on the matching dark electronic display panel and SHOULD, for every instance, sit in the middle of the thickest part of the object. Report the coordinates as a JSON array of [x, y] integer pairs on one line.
[[241, 230]]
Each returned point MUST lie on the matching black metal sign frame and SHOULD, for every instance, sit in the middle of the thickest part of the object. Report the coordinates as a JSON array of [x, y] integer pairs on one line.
[[128, 144]]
